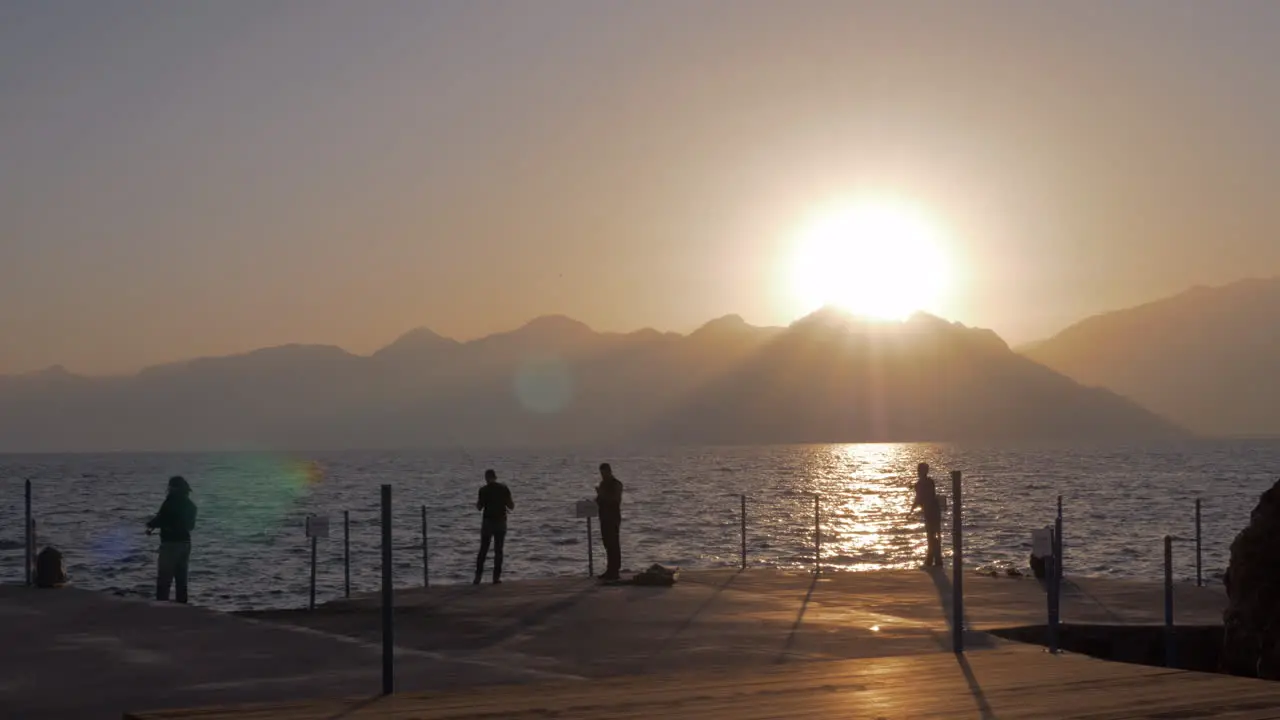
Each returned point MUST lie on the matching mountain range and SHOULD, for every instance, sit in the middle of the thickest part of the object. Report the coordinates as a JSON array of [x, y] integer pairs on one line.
[[1205, 358], [828, 377]]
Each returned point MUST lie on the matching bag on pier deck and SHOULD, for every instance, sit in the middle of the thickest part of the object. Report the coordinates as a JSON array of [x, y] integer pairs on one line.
[[657, 575]]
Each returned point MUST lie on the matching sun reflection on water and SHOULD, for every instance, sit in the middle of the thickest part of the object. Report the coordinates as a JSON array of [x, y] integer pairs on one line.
[[865, 496]]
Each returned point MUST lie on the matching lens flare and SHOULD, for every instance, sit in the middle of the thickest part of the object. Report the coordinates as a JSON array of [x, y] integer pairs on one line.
[[115, 546], [544, 385], [313, 472], [251, 494]]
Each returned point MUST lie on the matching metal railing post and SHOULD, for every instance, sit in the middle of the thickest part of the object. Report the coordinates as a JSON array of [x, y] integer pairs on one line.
[[957, 562], [817, 533], [591, 559], [1170, 652], [311, 600], [29, 540], [1060, 547], [426, 554], [388, 599], [1051, 596], [1199, 575]]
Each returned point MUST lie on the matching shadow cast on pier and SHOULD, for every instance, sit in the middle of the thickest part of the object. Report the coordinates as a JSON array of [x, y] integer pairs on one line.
[[702, 607], [795, 627], [942, 584], [1070, 588], [357, 707], [975, 688], [522, 619]]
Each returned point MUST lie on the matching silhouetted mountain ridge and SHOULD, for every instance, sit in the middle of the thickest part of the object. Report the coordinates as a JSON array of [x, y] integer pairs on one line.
[[831, 377], [1205, 358], [828, 377], [416, 342]]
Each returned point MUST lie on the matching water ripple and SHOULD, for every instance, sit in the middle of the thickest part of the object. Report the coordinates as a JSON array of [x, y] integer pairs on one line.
[[681, 508]]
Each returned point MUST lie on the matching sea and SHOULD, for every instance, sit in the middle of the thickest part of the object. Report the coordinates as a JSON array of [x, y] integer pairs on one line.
[[682, 507]]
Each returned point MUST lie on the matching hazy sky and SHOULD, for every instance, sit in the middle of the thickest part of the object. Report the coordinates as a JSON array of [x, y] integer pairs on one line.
[[189, 178]]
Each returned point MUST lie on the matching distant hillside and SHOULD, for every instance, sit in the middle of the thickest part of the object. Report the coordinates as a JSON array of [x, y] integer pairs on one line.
[[555, 381], [830, 378], [1206, 358]]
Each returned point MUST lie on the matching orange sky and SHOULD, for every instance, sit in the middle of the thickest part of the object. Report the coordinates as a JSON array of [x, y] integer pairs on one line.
[[204, 179]]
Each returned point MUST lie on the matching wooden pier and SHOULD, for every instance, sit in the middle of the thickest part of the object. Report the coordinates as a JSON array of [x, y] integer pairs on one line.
[[1007, 683], [720, 644]]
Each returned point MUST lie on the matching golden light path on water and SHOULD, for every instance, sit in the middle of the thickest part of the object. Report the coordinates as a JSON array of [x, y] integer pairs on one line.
[[865, 498]]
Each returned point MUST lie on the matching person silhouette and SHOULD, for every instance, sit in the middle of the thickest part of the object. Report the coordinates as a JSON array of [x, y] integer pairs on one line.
[[494, 501], [175, 521], [927, 500], [609, 504]]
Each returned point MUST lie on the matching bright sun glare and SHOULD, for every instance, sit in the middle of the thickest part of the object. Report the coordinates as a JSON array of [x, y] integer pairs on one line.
[[882, 260]]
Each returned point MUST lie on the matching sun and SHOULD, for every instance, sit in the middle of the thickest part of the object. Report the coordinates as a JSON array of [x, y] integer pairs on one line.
[[878, 259]]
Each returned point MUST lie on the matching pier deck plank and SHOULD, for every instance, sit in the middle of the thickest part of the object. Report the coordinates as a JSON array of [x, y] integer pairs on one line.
[[726, 619], [1008, 683], [76, 655]]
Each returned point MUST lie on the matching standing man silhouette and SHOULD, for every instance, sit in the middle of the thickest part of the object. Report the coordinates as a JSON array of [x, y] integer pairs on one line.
[[495, 500], [927, 500], [609, 502], [175, 521]]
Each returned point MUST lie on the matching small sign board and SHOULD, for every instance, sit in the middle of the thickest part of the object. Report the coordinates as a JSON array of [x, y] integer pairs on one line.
[[1042, 542], [586, 509], [317, 526]]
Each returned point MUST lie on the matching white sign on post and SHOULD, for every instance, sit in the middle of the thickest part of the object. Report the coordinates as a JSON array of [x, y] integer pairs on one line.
[[587, 509], [317, 526], [1042, 542]]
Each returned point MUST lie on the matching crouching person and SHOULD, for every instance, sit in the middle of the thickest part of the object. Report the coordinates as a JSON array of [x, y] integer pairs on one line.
[[50, 571]]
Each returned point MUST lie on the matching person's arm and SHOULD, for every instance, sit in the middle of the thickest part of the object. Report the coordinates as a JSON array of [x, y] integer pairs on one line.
[[195, 510], [162, 517], [511, 503], [480, 500]]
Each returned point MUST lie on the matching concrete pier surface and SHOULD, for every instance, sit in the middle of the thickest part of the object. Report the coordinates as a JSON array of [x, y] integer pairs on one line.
[[1007, 684], [76, 654], [72, 654], [732, 619]]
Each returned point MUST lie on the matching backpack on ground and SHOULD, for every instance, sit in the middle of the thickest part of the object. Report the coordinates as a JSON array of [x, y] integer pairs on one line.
[[50, 572]]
